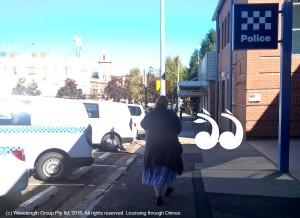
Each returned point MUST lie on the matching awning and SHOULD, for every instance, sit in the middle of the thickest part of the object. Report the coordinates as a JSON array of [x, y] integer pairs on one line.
[[191, 93], [193, 83], [191, 88]]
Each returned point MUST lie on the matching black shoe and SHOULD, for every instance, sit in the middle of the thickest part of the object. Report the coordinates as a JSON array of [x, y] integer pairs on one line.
[[169, 191], [158, 201]]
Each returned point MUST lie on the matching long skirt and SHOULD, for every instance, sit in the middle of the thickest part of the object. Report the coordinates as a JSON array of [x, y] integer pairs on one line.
[[159, 177]]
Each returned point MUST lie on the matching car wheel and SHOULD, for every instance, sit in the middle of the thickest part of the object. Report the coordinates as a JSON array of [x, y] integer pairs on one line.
[[52, 167], [110, 142]]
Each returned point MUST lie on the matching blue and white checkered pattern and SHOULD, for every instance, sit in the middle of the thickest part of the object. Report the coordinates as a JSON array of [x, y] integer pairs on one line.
[[257, 20], [41, 129], [8, 150]]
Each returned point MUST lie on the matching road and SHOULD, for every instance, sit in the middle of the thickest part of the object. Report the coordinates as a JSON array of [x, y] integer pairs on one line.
[[41, 199]]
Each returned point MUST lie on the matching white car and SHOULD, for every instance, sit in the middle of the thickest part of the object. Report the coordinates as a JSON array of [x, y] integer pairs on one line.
[[55, 133], [137, 113], [14, 172], [111, 122]]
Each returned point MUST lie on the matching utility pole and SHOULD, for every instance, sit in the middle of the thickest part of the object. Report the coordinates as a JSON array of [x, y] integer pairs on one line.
[[162, 49], [146, 90], [177, 103]]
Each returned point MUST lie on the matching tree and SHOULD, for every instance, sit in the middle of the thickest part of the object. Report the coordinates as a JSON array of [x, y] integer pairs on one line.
[[152, 92], [116, 90], [172, 67], [22, 89], [207, 44], [94, 95], [32, 89], [134, 84], [70, 90]]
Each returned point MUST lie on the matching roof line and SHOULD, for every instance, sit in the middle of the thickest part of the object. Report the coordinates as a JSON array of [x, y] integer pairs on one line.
[[218, 9]]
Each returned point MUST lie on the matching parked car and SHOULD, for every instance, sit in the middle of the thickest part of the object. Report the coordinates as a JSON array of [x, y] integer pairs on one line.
[[111, 122], [137, 113], [14, 172], [54, 132]]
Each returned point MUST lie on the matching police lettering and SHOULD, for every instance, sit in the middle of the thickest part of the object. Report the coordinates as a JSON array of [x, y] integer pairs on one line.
[[255, 38]]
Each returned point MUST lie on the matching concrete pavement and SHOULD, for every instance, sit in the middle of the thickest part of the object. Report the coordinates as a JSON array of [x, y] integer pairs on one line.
[[269, 148], [215, 183]]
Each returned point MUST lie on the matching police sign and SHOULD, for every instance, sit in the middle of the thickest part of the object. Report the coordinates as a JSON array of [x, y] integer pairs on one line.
[[255, 26]]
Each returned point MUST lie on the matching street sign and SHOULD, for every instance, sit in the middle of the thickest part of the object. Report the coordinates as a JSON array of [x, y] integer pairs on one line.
[[255, 26]]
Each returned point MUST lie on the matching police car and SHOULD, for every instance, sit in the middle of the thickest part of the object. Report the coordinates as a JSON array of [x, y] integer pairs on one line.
[[55, 133]]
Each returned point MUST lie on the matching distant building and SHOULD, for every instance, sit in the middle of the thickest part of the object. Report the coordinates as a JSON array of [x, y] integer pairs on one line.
[[203, 86], [103, 71], [50, 71]]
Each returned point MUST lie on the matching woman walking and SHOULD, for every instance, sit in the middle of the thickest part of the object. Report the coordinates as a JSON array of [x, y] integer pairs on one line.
[[162, 157]]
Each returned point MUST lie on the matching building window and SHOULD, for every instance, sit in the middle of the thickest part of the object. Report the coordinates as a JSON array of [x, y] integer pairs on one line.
[[219, 41], [103, 57], [43, 55], [296, 28], [228, 28], [223, 95], [31, 71], [224, 39], [15, 71], [223, 30], [225, 34], [12, 55]]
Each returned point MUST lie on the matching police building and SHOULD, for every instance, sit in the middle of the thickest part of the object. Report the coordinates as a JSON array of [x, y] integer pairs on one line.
[[255, 73]]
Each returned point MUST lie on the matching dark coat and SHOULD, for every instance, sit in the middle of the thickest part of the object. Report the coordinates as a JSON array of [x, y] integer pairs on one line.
[[162, 145]]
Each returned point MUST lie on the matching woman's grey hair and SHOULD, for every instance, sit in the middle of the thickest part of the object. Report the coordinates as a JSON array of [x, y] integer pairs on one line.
[[162, 101]]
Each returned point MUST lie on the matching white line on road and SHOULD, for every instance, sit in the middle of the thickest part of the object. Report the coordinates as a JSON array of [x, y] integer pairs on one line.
[[31, 184], [104, 156], [38, 199], [78, 173], [103, 165], [89, 202]]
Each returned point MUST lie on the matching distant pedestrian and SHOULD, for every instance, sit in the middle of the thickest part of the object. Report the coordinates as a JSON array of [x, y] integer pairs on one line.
[[182, 108], [181, 111], [162, 157]]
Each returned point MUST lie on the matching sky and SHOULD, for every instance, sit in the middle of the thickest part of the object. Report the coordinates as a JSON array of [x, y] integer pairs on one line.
[[128, 29]]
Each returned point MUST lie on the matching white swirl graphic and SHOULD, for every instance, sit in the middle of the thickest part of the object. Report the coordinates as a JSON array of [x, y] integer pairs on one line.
[[227, 139], [203, 139]]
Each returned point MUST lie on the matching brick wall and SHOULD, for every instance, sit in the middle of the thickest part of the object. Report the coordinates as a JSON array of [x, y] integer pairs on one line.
[[257, 72]]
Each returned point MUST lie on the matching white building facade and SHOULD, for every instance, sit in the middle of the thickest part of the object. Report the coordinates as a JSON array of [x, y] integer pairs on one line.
[[50, 71]]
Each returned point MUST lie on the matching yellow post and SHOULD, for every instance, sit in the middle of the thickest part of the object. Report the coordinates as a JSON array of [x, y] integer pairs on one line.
[[157, 85]]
